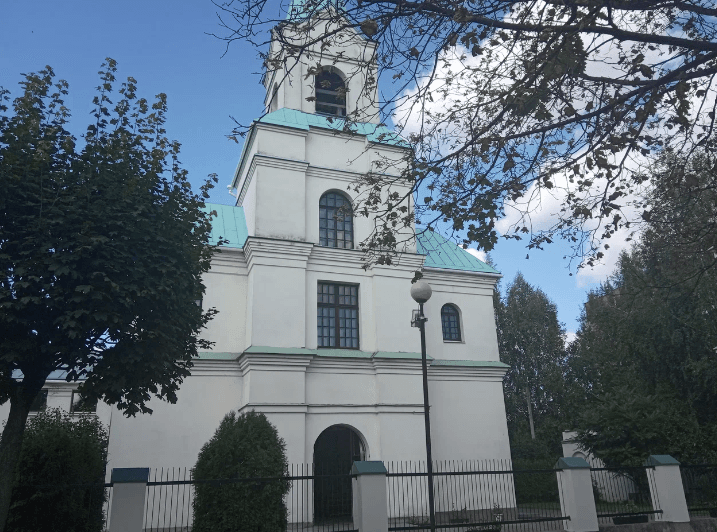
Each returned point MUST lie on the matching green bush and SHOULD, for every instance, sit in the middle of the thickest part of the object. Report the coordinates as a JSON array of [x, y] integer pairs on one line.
[[59, 453], [244, 446]]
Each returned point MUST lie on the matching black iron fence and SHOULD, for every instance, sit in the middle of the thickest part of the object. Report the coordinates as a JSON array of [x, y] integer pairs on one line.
[[314, 503], [700, 485], [471, 496], [623, 494]]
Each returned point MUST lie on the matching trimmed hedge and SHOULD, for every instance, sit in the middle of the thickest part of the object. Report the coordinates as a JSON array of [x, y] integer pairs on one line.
[[244, 446], [57, 453]]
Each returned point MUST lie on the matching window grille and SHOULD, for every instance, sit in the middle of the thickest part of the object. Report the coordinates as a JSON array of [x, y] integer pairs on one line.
[[335, 221], [337, 316], [330, 94], [451, 323]]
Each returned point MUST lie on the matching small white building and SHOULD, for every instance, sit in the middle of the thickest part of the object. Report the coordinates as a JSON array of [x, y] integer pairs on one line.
[[304, 333]]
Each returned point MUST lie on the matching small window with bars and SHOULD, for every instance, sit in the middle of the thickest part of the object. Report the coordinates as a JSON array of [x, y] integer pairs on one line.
[[451, 322], [337, 316], [330, 94], [336, 227]]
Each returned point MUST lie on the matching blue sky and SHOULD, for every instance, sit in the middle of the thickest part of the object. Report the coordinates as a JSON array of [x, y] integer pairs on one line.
[[165, 47]]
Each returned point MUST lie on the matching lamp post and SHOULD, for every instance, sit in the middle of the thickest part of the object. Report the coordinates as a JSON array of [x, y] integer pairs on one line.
[[421, 292]]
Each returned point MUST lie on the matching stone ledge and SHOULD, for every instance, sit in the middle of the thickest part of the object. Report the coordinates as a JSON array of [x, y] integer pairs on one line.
[[700, 524]]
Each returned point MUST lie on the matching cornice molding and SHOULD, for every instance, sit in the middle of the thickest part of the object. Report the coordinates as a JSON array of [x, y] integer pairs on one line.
[[283, 129], [276, 252], [272, 161], [466, 373], [229, 261], [269, 161], [325, 257], [459, 278], [346, 408], [265, 362], [215, 368]]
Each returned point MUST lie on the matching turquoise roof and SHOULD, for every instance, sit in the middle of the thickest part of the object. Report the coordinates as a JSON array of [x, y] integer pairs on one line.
[[299, 120], [442, 253], [229, 223]]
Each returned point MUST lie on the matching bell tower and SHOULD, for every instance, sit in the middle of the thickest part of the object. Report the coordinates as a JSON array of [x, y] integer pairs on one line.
[[337, 77]]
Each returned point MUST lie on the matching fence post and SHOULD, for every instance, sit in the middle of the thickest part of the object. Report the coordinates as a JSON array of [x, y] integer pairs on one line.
[[129, 491], [370, 505], [576, 494], [666, 489]]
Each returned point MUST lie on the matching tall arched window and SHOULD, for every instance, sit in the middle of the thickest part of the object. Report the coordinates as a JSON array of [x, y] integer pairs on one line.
[[336, 225], [451, 322], [330, 94]]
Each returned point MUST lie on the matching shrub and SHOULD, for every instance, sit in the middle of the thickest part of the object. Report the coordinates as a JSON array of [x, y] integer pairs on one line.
[[244, 446], [58, 454]]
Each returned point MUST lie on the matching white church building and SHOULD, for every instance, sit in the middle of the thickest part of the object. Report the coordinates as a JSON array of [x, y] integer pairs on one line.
[[306, 334]]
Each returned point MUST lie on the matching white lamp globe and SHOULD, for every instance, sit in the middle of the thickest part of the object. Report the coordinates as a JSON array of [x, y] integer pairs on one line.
[[421, 292]]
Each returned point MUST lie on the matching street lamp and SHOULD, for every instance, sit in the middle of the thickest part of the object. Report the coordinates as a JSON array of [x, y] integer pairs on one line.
[[421, 292]]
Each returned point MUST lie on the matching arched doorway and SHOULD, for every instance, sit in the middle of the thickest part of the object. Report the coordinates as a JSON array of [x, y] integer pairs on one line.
[[335, 450]]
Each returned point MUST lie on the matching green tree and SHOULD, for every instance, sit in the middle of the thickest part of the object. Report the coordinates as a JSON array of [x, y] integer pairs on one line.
[[503, 100], [60, 457], [102, 251], [244, 446], [644, 354], [531, 341]]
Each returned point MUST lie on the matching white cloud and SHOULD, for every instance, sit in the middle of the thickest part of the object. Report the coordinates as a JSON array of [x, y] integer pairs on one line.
[[569, 337], [457, 80], [478, 253]]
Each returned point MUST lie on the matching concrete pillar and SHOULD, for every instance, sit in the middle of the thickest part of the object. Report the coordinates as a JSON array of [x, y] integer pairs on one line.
[[668, 493], [370, 502], [129, 491], [576, 495]]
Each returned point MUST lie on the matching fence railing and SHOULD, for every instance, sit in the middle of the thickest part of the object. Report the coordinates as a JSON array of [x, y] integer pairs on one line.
[[624, 495], [485, 495], [700, 485], [314, 503]]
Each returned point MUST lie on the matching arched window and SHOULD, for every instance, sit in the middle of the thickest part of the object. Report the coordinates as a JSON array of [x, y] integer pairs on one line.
[[330, 94], [450, 319], [336, 225]]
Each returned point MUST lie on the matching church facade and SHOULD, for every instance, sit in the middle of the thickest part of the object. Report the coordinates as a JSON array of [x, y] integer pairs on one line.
[[307, 335]]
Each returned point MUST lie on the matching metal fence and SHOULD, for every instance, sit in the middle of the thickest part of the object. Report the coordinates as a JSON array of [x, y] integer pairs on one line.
[[471, 496], [700, 485], [623, 494], [315, 502]]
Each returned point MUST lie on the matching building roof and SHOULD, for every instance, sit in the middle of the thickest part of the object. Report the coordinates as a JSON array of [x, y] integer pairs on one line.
[[286, 117], [440, 252], [229, 224]]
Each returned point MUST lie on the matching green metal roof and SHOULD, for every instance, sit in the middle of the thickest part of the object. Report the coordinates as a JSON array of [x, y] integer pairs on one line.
[[442, 253], [229, 223], [299, 120]]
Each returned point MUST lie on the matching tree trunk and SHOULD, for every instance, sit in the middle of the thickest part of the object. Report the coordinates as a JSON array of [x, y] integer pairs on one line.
[[530, 414], [11, 442]]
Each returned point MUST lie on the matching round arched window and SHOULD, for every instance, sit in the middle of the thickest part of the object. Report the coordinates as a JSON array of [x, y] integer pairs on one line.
[[451, 322], [330, 94], [336, 225]]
